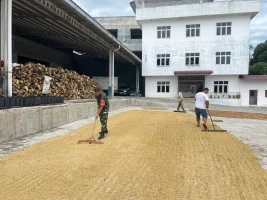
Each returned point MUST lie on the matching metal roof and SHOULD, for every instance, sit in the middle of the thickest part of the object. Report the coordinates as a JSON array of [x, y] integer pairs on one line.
[[68, 26], [253, 77], [198, 72]]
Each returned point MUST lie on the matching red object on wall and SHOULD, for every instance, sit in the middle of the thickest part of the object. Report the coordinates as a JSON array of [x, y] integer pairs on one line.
[[2, 63]]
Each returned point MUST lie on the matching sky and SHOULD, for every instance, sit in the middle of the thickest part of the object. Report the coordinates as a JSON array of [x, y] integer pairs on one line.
[[105, 8]]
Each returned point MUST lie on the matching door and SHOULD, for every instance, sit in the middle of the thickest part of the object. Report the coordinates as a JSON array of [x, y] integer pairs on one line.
[[253, 96], [193, 90]]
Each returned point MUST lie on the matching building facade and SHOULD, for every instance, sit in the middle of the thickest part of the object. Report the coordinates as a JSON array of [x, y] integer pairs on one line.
[[196, 44]]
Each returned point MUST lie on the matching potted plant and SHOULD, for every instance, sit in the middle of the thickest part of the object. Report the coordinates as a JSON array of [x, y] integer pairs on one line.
[[229, 96], [238, 96]]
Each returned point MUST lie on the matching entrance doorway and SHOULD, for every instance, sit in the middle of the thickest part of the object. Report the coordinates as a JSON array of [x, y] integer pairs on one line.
[[253, 97], [191, 85]]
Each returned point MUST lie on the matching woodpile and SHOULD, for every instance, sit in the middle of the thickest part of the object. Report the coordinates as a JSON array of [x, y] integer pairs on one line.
[[28, 80]]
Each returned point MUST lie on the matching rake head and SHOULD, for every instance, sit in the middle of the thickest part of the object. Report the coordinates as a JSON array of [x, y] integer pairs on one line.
[[91, 140], [214, 130]]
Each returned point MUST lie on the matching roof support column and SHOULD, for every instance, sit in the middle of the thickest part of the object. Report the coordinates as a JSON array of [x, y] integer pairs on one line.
[[6, 47], [111, 72], [9, 48], [111, 66], [3, 80]]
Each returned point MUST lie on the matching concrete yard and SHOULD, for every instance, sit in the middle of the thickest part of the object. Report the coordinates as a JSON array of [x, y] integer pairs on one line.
[[153, 154]]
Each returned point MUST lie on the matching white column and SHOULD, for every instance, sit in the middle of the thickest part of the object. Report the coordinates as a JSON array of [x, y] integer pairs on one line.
[[112, 76], [9, 46], [4, 46]]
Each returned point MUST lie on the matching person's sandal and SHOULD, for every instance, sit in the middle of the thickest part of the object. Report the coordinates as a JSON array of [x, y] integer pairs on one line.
[[204, 125]]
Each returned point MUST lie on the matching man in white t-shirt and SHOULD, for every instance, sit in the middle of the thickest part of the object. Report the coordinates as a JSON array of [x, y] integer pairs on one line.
[[202, 103]]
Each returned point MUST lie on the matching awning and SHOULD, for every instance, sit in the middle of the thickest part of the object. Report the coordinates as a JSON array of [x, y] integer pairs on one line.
[[253, 77], [194, 72], [62, 24]]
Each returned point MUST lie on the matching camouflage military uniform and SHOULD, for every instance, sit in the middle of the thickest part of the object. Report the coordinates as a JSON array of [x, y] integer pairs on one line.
[[102, 100]]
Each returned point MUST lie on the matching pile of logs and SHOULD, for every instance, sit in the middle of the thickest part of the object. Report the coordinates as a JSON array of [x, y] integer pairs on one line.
[[28, 80]]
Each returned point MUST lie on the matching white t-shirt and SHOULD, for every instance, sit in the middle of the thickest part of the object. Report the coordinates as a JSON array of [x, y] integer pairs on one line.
[[201, 98]]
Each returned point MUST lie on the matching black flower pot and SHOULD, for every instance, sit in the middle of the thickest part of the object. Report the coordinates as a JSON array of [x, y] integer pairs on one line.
[[61, 99], [12, 101], [19, 101], [2, 102], [38, 101], [6, 102], [57, 99], [31, 101], [26, 101], [43, 100]]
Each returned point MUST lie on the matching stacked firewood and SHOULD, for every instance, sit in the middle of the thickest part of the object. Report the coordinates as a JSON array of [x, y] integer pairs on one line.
[[28, 80]]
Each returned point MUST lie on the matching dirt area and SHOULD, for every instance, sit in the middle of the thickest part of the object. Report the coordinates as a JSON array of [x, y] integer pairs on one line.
[[240, 115], [146, 155]]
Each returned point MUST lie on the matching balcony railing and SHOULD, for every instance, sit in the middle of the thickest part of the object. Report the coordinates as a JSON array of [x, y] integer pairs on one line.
[[226, 95]]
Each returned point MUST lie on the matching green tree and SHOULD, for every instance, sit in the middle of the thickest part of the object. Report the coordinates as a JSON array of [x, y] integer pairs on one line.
[[260, 54], [259, 68]]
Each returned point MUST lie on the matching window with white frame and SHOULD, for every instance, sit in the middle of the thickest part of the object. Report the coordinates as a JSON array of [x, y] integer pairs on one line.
[[163, 60], [224, 28], [192, 58], [192, 30], [163, 86], [164, 31], [223, 58], [220, 86]]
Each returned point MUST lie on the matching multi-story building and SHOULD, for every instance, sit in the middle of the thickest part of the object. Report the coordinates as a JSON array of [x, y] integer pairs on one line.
[[191, 44]]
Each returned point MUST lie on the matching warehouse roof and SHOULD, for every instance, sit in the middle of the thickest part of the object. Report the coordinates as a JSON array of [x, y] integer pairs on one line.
[[67, 26]]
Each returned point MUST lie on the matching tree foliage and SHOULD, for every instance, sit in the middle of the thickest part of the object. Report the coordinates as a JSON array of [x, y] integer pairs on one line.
[[258, 63], [259, 68]]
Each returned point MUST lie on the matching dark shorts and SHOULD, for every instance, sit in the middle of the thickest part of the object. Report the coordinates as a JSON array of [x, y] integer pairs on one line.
[[203, 112]]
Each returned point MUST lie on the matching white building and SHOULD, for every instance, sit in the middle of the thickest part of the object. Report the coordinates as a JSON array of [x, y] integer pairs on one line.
[[192, 44]]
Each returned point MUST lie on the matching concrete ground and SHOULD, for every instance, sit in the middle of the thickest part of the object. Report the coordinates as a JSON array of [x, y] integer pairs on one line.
[[147, 154], [252, 132]]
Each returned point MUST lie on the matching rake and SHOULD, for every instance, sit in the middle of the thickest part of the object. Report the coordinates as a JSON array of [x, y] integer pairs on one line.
[[214, 130], [92, 139]]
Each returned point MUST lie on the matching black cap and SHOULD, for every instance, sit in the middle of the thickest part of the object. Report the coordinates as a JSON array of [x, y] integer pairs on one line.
[[206, 89], [97, 89]]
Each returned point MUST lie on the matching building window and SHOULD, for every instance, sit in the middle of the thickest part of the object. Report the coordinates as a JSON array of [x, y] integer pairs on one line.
[[192, 30], [192, 58], [164, 31], [163, 60], [223, 58], [266, 93], [136, 34], [220, 86], [224, 28], [163, 86], [114, 32]]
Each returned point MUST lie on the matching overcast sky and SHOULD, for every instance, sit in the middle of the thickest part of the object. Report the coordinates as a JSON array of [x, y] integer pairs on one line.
[[104, 8]]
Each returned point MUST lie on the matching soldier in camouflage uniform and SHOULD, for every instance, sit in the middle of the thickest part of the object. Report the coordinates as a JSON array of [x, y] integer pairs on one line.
[[102, 112]]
